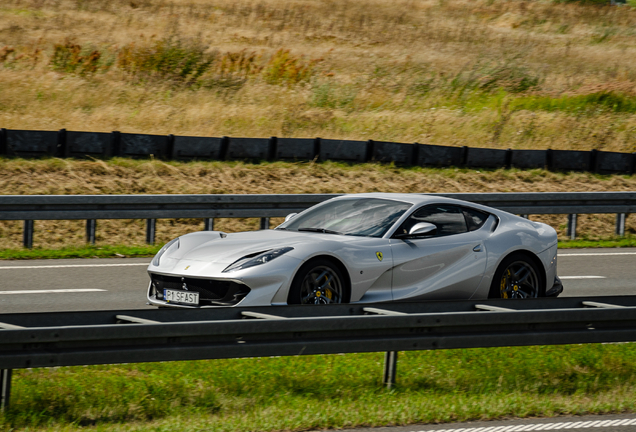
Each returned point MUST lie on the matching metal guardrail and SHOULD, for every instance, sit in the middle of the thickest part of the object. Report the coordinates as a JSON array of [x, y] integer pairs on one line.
[[208, 207], [151, 335]]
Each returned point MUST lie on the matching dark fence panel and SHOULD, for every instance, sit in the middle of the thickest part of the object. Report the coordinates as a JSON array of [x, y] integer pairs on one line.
[[186, 147], [434, 155], [612, 162], [486, 158], [399, 153], [296, 148], [248, 148], [31, 143], [529, 158], [28, 144], [570, 160], [139, 145], [348, 151], [81, 144]]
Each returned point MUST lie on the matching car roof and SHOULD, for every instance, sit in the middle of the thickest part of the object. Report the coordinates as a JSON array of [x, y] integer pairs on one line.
[[418, 199], [409, 198]]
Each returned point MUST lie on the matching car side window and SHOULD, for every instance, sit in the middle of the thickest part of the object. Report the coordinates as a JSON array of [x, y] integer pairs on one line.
[[475, 218], [447, 218]]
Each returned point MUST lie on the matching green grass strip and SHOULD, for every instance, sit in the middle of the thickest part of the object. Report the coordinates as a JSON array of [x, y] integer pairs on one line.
[[618, 242], [81, 252], [327, 391]]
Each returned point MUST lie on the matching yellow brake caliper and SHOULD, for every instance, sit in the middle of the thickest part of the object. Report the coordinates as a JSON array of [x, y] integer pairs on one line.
[[328, 292], [504, 282]]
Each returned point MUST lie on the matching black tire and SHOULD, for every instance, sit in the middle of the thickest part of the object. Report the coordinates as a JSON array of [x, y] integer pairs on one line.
[[319, 281], [517, 277]]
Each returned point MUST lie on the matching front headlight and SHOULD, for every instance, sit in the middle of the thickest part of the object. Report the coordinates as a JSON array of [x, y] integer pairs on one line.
[[156, 260], [252, 261]]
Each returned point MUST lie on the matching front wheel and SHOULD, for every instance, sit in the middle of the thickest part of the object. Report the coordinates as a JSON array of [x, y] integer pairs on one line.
[[517, 277], [318, 282]]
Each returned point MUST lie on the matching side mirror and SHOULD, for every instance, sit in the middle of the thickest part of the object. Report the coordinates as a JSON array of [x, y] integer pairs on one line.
[[290, 216], [422, 229], [419, 230]]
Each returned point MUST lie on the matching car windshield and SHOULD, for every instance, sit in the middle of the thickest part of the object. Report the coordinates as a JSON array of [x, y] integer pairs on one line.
[[368, 217]]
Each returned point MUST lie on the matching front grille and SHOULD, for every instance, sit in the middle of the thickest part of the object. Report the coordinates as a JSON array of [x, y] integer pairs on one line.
[[211, 291]]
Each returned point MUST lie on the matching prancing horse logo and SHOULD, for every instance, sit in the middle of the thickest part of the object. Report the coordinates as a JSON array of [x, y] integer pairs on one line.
[[379, 255]]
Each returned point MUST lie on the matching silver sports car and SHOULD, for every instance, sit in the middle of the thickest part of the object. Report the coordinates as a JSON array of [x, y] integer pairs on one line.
[[362, 248]]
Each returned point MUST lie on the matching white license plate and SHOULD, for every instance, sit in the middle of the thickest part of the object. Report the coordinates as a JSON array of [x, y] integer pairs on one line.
[[186, 297]]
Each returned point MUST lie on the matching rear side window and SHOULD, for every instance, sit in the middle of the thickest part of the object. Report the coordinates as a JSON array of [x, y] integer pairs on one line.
[[447, 218], [474, 218]]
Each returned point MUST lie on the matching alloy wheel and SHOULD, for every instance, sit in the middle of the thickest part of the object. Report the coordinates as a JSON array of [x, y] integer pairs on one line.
[[519, 281], [321, 285]]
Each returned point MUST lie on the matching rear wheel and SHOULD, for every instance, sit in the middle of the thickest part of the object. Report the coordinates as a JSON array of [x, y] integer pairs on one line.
[[318, 281], [517, 277]]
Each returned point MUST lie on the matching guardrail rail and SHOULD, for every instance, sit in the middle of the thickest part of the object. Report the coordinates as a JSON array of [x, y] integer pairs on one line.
[[151, 207], [31, 340]]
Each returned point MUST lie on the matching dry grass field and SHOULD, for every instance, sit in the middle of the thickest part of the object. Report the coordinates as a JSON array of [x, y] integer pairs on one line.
[[491, 73]]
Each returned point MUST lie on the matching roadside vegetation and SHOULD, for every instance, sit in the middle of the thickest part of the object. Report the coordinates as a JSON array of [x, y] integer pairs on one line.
[[490, 73], [328, 391]]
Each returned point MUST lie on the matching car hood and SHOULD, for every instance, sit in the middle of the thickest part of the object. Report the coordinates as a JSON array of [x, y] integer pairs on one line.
[[228, 249]]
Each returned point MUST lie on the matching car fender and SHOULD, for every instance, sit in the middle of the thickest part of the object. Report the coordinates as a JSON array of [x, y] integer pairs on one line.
[[516, 234]]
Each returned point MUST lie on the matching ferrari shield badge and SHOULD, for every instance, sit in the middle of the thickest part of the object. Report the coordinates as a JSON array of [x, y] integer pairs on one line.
[[379, 255]]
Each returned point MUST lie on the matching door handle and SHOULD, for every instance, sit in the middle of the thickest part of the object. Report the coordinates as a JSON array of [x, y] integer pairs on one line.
[[477, 248]]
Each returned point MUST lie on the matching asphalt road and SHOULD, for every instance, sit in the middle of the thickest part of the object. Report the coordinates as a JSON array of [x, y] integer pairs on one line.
[[102, 284], [604, 423]]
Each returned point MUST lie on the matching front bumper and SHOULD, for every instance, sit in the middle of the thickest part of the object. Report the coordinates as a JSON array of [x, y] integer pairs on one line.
[[557, 288], [212, 292]]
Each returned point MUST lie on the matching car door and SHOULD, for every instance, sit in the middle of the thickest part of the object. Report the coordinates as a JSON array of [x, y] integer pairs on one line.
[[447, 265]]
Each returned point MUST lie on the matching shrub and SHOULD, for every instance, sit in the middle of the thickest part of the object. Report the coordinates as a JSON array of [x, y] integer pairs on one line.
[[71, 58], [508, 76], [166, 59], [284, 68], [5, 52], [232, 70]]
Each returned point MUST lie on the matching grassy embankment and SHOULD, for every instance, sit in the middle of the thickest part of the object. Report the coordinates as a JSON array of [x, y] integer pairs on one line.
[[321, 392], [533, 74]]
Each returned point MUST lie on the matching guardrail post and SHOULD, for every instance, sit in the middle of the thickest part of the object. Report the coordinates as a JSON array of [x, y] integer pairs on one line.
[[27, 236], [264, 223], [572, 226], [5, 388], [151, 225], [620, 224], [208, 224], [91, 225], [390, 368]]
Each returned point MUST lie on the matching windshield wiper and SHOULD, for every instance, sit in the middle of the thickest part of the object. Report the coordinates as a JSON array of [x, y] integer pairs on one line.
[[320, 230]]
